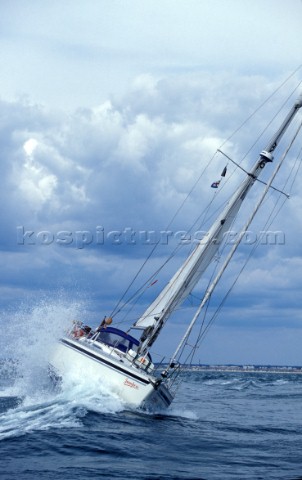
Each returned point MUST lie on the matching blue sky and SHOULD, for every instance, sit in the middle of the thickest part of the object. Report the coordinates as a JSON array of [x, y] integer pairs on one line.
[[108, 112]]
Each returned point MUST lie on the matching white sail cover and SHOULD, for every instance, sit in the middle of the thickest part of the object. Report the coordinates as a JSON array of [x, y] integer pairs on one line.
[[185, 279]]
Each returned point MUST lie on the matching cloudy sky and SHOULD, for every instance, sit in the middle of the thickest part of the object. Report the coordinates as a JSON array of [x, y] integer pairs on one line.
[[109, 111]]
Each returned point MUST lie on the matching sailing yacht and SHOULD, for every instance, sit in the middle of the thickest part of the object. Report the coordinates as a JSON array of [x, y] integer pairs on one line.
[[121, 360]]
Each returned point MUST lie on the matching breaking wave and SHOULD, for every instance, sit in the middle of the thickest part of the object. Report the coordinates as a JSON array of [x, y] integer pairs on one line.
[[30, 398]]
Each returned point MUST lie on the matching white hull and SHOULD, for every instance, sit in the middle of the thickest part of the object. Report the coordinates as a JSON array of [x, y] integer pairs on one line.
[[132, 385]]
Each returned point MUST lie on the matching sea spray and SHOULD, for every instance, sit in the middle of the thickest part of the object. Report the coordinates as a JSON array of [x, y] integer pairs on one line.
[[30, 337], [37, 402]]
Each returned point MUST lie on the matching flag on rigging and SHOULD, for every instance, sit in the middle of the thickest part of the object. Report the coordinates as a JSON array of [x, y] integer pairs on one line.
[[223, 174], [224, 171]]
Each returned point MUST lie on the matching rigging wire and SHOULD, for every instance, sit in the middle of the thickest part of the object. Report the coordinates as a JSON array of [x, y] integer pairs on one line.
[[116, 308], [119, 306], [275, 116], [273, 214], [269, 220], [268, 223], [262, 104], [142, 289], [194, 347], [214, 213]]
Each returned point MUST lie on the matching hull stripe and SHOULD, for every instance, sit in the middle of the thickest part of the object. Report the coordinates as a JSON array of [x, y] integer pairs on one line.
[[104, 361]]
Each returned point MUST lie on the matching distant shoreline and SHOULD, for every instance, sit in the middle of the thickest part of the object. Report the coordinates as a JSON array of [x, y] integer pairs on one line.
[[246, 368], [11, 366]]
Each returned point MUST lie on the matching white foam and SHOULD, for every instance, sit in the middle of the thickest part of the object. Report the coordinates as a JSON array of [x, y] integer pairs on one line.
[[32, 338], [178, 412], [45, 408]]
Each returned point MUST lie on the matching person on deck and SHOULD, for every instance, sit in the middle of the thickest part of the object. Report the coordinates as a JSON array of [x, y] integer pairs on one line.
[[105, 322]]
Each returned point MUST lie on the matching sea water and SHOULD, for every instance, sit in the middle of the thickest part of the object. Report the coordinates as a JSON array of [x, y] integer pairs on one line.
[[222, 425]]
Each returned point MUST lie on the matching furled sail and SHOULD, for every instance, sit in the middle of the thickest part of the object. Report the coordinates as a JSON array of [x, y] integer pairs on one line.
[[185, 279]]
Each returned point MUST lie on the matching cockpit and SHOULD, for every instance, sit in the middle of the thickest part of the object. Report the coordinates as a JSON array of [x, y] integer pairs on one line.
[[124, 342], [118, 339]]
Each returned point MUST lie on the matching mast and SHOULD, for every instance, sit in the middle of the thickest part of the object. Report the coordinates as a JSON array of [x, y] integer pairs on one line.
[[184, 280], [229, 257]]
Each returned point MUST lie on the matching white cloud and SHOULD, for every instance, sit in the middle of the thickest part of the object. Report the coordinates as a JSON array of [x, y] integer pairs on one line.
[[29, 146], [36, 184]]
